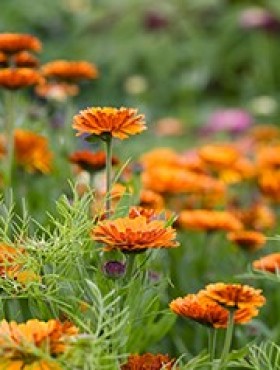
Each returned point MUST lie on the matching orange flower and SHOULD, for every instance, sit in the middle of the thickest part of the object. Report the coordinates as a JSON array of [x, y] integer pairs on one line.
[[16, 341], [242, 169], [32, 152], [265, 133], [204, 311], [269, 183], [17, 78], [151, 199], [70, 70], [11, 43], [270, 263], [169, 180], [149, 213], [148, 361], [56, 91], [234, 295], [10, 260], [268, 157], [36, 365], [119, 123], [218, 156], [25, 59], [208, 220], [90, 161], [248, 239], [134, 235]]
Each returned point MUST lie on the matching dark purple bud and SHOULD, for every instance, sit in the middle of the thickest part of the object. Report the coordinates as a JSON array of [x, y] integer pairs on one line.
[[114, 269], [155, 21], [154, 276]]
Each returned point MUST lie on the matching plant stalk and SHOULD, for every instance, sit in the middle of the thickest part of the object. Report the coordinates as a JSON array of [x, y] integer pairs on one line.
[[108, 144], [228, 338], [9, 131]]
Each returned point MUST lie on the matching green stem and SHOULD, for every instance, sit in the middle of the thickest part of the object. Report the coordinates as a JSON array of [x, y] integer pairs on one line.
[[9, 131], [212, 338], [228, 338], [67, 129], [130, 259], [108, 144]]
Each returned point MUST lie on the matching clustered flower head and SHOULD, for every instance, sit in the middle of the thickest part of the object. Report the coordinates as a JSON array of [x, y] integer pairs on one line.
[[148, 361], [17, 78], [119, 123], [70, 70], [134, 235], [11, 43], [211, 305], [28, 344]]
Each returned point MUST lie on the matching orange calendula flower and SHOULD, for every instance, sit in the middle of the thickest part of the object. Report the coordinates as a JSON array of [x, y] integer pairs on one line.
[[268, 157], [169, 180], [17, 340], [149, 213], [208, 220], [234, 295], [91, 161], [151, 199], [218, 155], [70, 70], [56, 91], [270, 263], [25, 59], [32, 152], [17, 78], [269, 184], [242, 169], [11, 43], [265, 133], [204, 310], [247, 239], [148, 361], [119, 123], [134, 235]]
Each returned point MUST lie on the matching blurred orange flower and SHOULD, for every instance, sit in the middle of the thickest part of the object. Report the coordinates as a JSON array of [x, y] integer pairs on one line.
[[149, 213], [208, 220], [218, 155], [270, 263], [242, 169], [234, 295], [268, 157], [10, 260], [11, 43], [269, 184], [148, 361], [17, 340], [249, 240], [32, 152], [151, 199], [70, 70], [265, 133], [56, 91], [134, 235], [91, 161], [17, 78], [25, 59], [167, 179], [119, 123]]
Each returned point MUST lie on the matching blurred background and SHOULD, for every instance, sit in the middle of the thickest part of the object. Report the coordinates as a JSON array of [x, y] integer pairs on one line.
[[170, 58]]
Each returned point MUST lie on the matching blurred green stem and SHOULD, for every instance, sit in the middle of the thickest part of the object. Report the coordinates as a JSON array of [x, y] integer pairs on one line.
[[130, 259], [67, 129], [108, 144], [9, 131], [212, 337], [228, 338]]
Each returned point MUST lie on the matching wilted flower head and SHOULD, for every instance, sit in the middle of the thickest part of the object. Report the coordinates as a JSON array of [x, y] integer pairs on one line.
[[208, 220], [134, 235], [91, 161], [234, 295], [17, 78], [148, 361], [70, 70], [11, 43], [249, 240], [270, 263], [233, 120], [119, 123], [32, 152], [19, 343]]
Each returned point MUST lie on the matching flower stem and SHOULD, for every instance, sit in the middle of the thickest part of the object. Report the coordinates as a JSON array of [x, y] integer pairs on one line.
[[212, 337], [9, 131], [108, 144], [67, 132], [130, 259], [228, 338]]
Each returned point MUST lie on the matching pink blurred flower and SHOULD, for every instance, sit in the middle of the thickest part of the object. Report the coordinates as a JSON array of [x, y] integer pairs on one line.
[[258, 18], [234, 120]]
